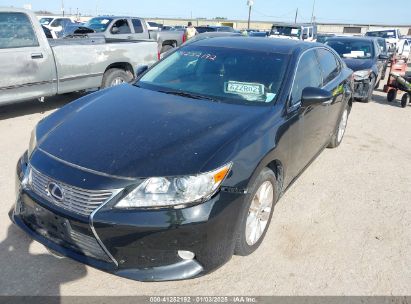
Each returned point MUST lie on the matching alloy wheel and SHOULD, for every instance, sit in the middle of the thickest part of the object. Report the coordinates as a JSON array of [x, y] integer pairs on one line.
[[259, 213]]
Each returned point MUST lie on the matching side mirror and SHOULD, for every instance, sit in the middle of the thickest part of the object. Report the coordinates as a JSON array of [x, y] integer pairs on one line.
[[140, 70], [305, 36], [115, 30], [383, 57], [312, 96]]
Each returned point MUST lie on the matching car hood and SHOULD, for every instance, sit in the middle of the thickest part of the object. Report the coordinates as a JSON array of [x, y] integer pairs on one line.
[[133, 132], [358, 64]]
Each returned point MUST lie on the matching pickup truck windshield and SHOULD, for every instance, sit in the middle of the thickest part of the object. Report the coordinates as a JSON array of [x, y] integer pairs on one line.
[[382, 34], [286, 31], [219, 74], [98, 24], [358, 49]]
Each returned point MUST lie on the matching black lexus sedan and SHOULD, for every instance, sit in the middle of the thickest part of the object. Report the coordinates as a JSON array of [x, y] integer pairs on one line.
[[364, 56], [167, 178]]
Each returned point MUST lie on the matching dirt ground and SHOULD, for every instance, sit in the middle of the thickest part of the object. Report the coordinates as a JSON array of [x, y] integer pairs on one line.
[[344, 228]]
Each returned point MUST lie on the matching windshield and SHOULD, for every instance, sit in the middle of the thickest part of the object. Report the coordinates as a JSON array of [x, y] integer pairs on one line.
[[382, 34], [286, 31], [359, 49], [99, 24], [46, 21], [220, 74]]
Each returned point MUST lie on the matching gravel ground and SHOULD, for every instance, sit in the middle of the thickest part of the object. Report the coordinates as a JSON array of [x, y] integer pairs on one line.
[[344, 228]]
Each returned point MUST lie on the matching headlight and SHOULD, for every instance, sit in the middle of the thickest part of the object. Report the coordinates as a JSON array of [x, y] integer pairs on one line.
[[361, 75], [174, 191], [33, 143]]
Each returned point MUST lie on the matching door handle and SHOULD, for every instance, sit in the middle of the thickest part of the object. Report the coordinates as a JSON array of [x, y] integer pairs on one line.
[[129, 37], [36, 56]]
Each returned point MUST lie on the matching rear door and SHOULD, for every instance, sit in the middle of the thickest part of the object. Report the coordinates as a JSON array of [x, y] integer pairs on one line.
[[332, 82], [138, 28], [26, 61]]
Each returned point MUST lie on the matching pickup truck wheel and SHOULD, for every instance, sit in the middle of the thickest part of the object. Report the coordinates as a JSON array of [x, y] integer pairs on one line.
[[257, 213], [338, 135], [166, 48], [113, 77]]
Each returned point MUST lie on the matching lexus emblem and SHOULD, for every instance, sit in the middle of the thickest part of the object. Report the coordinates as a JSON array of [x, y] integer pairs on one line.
[[55, 191]]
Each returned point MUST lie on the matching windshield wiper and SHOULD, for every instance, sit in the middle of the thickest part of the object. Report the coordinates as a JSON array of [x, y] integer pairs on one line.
[[189, 95]]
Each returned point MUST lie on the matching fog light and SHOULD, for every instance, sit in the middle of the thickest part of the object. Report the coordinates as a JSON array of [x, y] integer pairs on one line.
[[186, 255]]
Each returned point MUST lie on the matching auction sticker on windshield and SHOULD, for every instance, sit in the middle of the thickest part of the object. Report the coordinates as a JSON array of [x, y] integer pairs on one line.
[[245, 88]]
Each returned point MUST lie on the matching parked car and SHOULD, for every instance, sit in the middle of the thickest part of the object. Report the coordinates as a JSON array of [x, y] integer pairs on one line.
[[362, 55], [211, 28], [49, 33], [404, 48], [154, 26], [392, 37], [384, 50], [34, 67], [195, 156], [202, 36], [75, 30], [258, 34], [295, 31], [133, 28], [323, 37], [56, 24]]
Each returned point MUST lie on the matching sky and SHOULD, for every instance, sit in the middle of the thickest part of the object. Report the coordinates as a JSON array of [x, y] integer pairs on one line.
[[342, 11]]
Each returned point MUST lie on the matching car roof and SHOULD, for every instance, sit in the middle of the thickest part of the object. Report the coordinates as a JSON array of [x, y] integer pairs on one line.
[[352, 38], [212, 26], [284, 46]]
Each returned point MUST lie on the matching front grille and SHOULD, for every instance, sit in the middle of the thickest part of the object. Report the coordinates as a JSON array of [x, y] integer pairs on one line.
[[61, 231], [77, 200]]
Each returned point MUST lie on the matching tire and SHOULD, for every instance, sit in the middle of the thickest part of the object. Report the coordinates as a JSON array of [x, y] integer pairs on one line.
[[391, 95], [404, 100], [166, 48], [246, 244], [370, 91], [113, 77], [339, 133]]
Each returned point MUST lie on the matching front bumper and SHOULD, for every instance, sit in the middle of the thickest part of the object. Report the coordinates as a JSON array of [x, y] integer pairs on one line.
[[137, 244]]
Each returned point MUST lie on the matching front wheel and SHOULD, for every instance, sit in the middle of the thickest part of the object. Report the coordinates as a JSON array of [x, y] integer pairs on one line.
[[257, 214], [113, 77], [338, 135]]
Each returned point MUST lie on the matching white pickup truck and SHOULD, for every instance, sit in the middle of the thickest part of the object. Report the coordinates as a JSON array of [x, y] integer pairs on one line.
[[34, 67]]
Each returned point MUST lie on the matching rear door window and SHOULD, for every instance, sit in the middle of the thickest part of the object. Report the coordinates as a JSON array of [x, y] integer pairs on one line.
[[329, 65], [138, 27], [308, 74], [16, 31]]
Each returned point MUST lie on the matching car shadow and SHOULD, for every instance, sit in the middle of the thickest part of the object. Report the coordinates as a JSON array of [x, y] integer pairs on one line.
[[383, 100], [34, 106], [28, 274]]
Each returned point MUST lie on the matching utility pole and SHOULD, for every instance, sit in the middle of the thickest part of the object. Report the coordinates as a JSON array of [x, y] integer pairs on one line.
[[312, 13], [62, 7], [296, 16], [250, 3]]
